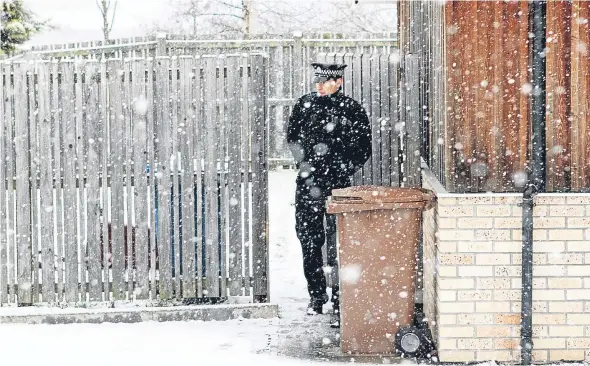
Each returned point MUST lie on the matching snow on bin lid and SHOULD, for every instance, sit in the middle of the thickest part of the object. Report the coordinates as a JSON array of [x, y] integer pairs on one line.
[[380, 194]]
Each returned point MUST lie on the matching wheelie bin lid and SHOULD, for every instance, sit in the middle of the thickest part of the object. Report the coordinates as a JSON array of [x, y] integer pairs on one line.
[[362, 198]]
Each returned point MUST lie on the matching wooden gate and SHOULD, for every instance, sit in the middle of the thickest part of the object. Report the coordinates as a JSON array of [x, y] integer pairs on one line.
[[141, 179]]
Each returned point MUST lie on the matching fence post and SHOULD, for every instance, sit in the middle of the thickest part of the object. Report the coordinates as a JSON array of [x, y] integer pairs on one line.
[[412, 124], [161, 47], [260, 233], [298, 64]]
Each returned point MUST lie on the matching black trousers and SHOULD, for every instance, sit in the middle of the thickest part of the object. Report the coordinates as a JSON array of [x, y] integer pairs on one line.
[[313, 233]]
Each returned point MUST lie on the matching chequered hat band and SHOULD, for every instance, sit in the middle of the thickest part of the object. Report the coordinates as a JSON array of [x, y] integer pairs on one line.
[[328, 73]]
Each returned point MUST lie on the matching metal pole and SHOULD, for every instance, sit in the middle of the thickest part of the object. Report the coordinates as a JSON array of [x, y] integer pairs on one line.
[[539, 8], [537, 180], [526, 332]]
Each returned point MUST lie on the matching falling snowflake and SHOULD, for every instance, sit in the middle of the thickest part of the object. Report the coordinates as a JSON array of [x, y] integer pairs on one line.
[[350, 273], [315, 192], [141, 106], [519, 178], [526, 88]]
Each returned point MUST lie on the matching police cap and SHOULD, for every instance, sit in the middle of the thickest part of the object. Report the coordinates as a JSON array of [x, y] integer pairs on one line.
[[326, 71]]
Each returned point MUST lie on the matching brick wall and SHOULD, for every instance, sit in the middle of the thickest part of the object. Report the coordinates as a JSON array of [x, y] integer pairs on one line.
[[472, 254]]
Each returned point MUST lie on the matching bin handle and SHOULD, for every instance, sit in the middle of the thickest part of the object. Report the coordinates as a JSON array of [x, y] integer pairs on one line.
[[428, 197]]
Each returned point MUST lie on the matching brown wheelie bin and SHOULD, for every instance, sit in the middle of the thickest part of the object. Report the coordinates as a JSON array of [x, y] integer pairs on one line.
[[378, 238]]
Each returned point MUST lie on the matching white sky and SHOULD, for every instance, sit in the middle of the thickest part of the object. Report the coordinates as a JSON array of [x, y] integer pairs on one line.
[[80, 20]]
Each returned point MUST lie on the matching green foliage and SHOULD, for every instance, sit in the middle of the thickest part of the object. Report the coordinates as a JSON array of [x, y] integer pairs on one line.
[[18, 25]]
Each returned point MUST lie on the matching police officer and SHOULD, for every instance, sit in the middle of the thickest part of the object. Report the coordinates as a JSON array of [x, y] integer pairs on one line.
[[329, 135]]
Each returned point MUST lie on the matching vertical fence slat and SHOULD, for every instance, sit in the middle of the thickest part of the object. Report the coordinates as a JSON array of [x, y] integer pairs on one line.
[[275, 90], [365, 100], [210, 183], [412, 123], [70, 191], [287, 73], [259, 182], [151, 113], [12, 193], [356, 93], [273, 118], [174, 166], [46, 246], [11, 185], [347, 59], [127, 157], [107, 258], [198, 145], [580, 172], [34, 177], [393, 93], [81, 174], [57, 149], [474, 104], [93, 126], [222, 154], [245, 137], [23, 189], [582, 107], [35, 169], [577, 134], [140, 194], [4, 233], [163, 182], [241, 116], [234, 191], [185, 140], [373, 96], [7, 267], [117, 159], [385, 120], [438, 94]]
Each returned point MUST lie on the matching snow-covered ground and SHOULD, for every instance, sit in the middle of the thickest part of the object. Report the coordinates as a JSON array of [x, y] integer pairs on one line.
[[293, 339]]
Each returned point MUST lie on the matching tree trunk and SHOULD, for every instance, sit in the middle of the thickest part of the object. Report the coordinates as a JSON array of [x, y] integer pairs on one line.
[[246, 11], [104, 9]]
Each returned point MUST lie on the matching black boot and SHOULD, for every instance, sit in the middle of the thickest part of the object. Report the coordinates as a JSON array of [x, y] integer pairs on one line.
[[316, 305]]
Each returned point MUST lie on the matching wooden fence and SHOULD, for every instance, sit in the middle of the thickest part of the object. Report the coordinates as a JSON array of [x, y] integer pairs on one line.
[[91, 148], [289, 57], [477, 70]]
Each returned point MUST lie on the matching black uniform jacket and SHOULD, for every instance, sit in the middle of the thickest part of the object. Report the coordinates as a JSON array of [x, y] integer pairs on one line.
[[330, 138]]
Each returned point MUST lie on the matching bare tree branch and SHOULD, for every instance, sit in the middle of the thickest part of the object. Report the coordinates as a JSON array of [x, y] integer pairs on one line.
[[230, 5], [266, 16], [107, 26], [98, 4], [113, 17], [221, 15]]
